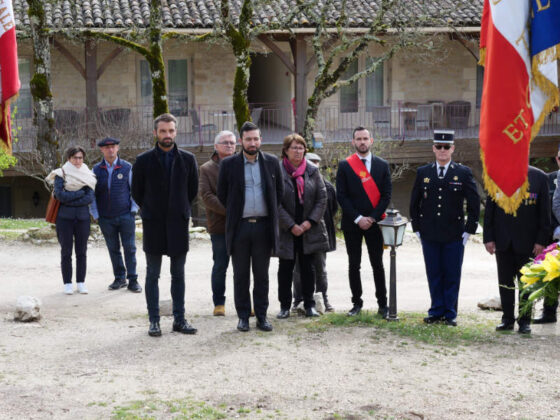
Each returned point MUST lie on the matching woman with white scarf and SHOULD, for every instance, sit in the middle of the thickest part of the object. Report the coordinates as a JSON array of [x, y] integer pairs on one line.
[[74, 186]]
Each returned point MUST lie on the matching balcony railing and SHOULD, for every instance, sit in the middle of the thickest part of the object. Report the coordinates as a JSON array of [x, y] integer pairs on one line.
[[199, 125]]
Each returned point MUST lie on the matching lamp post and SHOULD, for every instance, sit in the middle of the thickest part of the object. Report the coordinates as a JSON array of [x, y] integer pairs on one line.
[[392, 228]]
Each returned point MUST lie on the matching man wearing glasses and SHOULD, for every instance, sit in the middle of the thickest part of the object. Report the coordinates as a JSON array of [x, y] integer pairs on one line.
[[436, 209], [224, 146]]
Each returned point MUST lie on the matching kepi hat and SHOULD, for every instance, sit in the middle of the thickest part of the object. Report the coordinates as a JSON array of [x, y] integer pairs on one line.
[[444, 136]]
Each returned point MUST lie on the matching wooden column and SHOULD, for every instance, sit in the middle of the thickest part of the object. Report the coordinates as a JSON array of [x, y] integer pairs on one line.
[[299, 51], [91, 86]]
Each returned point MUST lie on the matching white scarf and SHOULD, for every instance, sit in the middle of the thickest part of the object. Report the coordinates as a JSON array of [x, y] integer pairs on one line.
[[74, 178]]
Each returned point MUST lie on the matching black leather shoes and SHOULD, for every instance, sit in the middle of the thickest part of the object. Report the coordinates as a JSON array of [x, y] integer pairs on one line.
[[311, 312], [384, 311], [354, 311], [545, 319], [431, 319], [155, 330], [524, 328], [243, 324], [505, 326], [263, 324], [117, 284], [451, 322], [183, 327], [283, 314], [134, 287]]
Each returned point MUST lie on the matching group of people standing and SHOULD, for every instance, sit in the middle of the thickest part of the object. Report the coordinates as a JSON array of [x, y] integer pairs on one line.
[[258, 206]]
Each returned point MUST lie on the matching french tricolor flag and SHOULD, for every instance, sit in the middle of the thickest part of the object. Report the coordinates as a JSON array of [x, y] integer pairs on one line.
[[519, 48], [9, 75]]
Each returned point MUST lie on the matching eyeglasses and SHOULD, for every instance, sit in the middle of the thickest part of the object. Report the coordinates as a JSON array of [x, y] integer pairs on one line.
[[297, 149], [77, 157], [227, 143], [442, 146]]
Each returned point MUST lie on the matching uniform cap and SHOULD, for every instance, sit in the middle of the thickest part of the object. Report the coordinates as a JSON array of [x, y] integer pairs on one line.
[[314, 157], [444, 136]]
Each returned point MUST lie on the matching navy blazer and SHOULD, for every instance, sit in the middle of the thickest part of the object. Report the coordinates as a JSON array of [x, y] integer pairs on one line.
[[73, 204], [231, 193], [436, 205], [352, 197], [532, 224]]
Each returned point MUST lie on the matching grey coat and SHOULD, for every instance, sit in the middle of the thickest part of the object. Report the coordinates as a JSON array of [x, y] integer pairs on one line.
[[314, 205]]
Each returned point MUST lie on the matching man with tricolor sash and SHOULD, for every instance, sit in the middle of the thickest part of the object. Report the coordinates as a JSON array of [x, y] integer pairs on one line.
[[363, 189], [436, 208]]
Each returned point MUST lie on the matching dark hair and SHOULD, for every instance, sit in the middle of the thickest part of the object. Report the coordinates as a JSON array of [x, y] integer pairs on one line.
[[165, 118], [359, 128], [72, 150], [248, 126], [289, 139]]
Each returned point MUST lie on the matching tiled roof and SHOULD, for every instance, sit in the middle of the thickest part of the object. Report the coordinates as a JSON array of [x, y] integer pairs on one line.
[[205, 14]]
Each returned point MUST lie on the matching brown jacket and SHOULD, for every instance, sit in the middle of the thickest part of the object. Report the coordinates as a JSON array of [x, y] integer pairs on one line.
[[215, 211]]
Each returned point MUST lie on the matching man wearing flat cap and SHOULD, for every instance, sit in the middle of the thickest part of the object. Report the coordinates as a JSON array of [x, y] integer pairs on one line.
[[115, 210], [436, 208]]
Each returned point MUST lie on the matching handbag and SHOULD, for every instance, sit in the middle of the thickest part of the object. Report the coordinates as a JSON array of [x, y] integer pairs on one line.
[[52, 209], [53, 206]]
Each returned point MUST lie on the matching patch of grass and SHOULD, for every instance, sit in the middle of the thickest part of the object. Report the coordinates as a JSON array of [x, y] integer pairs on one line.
[[9, 223], [9, 236], [471, 329], [177, 409]]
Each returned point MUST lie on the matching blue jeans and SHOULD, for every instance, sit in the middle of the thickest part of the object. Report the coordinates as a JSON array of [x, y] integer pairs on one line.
[[177, 270], [219, 269], [123, 227]]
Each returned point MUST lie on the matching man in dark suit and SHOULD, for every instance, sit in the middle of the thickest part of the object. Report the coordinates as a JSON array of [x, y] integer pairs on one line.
[[250, 188], [164, 185], [550, 305], [436, 209], [515, 239], [363, 190]]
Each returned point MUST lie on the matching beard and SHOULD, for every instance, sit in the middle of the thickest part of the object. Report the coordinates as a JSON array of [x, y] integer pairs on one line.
[[251, 152], [165, 142], [362, 148]]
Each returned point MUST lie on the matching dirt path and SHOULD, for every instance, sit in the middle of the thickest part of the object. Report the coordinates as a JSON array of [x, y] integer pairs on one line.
[[91, 354]]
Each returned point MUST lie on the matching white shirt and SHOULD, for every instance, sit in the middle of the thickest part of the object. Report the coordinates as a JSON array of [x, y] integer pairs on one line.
[[445, 168]]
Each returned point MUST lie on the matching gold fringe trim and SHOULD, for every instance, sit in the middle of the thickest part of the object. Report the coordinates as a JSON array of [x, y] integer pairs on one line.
[[482, 55], [6, 144], [508, 204], [549, 88]]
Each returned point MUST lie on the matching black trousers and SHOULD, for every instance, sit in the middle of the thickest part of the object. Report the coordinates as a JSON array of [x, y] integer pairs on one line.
[[307, 278], [374, 243], [509, 263], [73, 232], [252, 250]]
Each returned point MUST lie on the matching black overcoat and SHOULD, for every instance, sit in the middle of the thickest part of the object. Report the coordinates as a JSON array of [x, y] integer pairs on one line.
[[530, 226], [231, 192], [165, 208]]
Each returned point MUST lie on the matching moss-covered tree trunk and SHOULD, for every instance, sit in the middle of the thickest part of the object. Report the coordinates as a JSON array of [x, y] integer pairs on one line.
[[40, 84], [155, 60]]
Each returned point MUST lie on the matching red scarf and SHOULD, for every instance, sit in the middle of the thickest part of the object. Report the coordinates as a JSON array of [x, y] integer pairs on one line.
[[296, 173]]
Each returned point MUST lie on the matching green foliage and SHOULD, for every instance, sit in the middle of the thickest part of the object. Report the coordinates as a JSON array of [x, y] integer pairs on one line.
[[40, 87], [6, 161], [9, 223], [472, 329], [176, 409]]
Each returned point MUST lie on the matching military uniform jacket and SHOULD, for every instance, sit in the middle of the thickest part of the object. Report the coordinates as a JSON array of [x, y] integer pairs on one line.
[[532, 224], [437, 205]]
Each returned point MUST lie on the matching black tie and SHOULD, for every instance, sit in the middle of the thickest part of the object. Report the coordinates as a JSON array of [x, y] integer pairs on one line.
[[441, 168], [365, 164]]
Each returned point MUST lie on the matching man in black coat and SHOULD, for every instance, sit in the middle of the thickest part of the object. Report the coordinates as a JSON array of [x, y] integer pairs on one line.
[[250, 188], [515, 239], [363, 190], [164, 185], [436, 209]]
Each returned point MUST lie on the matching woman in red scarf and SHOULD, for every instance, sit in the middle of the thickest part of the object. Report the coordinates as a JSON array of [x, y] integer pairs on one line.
[[302, 229]]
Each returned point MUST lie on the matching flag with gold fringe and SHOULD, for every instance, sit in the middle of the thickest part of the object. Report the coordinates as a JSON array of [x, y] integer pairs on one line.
[[518, 48], [9, 75]]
